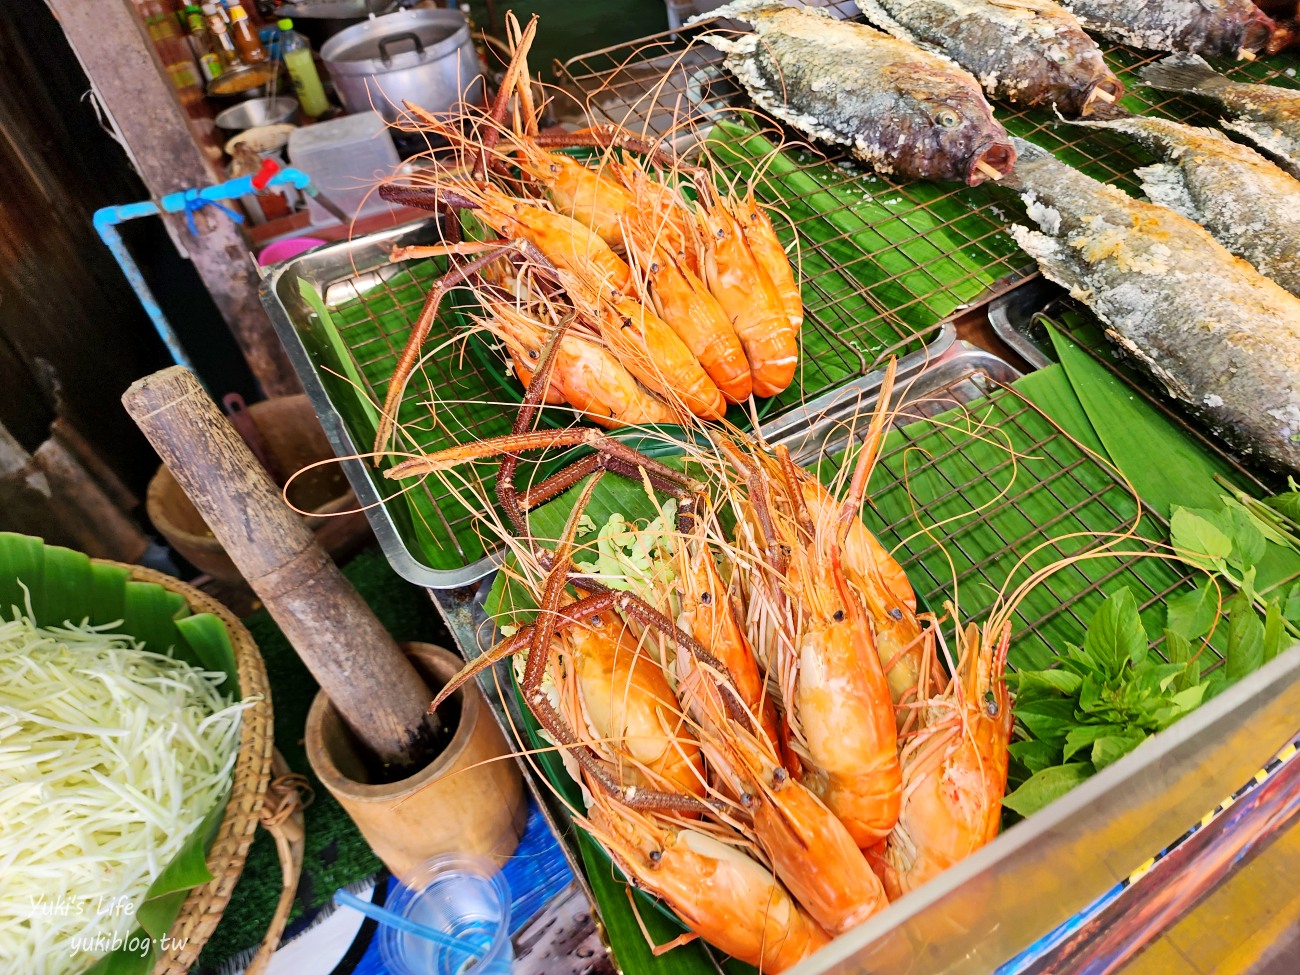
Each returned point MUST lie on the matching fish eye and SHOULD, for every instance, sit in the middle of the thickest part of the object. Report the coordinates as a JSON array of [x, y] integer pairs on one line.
[[946, 117]]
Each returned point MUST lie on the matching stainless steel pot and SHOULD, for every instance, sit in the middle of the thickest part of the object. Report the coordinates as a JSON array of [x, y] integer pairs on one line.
[[422, 56]]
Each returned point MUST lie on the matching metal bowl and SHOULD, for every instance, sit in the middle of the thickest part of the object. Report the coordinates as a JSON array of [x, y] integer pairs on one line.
[[256, 112]]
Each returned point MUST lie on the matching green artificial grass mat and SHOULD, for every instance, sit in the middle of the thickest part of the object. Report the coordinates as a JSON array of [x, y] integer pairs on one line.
[[336, 854]]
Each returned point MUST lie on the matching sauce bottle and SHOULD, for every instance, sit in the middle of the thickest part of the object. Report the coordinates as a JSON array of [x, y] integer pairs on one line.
[[295, 51], [247, 43], [220, 33]]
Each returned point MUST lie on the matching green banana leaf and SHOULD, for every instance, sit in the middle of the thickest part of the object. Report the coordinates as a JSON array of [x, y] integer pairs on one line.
[[63, 586]]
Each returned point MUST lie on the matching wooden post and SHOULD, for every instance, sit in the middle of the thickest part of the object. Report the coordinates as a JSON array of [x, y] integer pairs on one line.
[[353, 658], [117, 55]]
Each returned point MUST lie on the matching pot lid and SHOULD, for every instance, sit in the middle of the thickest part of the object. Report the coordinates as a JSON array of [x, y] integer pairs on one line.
[[397, 40]]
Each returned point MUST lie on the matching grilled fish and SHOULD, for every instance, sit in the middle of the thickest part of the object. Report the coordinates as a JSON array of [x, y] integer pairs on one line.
[[899, 109], [1224, 27], [1035, 53], [1246, 203], [1219, 335], [1266, 115]]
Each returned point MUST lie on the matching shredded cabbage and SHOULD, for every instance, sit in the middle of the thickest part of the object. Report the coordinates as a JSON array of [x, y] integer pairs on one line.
[[633, 559], [110, 757]]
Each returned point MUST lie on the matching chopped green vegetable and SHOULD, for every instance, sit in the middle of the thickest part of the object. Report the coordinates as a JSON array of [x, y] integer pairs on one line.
[[115, 763]]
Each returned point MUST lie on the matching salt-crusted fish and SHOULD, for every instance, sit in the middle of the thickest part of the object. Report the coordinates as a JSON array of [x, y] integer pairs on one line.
[[899, 109], [1231, 28], [1249, 205], [1028, 52], [1219, 335], [1266, 115]]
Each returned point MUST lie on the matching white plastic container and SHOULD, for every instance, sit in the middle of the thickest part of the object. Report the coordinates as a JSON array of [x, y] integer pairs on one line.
[[345, 157]]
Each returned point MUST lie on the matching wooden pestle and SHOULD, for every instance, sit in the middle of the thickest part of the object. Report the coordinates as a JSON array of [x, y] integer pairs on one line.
[[366, 676]]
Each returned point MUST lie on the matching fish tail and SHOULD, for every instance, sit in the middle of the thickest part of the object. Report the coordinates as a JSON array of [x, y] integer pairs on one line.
[[1183, 72]]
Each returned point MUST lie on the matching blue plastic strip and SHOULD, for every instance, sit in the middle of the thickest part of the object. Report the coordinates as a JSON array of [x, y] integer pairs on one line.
[[187, 201]]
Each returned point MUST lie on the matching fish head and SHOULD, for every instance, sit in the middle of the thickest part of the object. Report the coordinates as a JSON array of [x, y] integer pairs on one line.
[[1254, 33], [952, 135]]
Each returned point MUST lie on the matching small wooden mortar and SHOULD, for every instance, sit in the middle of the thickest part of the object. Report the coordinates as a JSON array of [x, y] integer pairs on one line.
[[468, 799]]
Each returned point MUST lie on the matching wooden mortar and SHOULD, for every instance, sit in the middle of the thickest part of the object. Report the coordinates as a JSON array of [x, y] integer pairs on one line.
[[470, 798]]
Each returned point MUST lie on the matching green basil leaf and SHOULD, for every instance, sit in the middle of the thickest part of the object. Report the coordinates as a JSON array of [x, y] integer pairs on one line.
[[1245, 650], [1198, 540], [1275, 635], [1035, 755], [1114, 747], [1042, 682], [1115, 635], [1288, 503], [1044, 787], [1191, 614], [1188, 699], [1083, 736], [1048, 721], [1291, 607], [1248, 542]]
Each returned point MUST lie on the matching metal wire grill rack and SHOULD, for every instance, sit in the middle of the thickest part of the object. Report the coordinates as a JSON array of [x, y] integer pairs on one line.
[[674, 85], [974, 502]]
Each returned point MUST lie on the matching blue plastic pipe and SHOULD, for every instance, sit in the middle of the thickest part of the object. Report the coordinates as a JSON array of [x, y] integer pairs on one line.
[[107, 220]]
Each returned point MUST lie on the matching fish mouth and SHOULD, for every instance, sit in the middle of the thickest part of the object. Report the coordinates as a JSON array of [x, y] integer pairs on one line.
[[1103, 98], [993, 159], [1283, 37], [1256, 36]]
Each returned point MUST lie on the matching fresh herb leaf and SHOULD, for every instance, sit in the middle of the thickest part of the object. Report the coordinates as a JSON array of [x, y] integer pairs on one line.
[[1045, 786], [1191, 614], [1114, 747], [1291, 605], [1081, 738], [1035, 755], [1245, 650], [1275, 635], [1287, 503], [1198, 539], [1116, 636], [1179, 651], [1048, 720], [1248, 541]]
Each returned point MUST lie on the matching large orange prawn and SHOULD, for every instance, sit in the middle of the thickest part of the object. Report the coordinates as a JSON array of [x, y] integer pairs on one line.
[[954, 767]]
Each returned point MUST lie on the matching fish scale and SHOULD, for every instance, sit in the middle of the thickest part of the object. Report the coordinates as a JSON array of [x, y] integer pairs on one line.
[[1219, 183], [1266, 115], [1032, 53], [1220, 336], [899, 109], [1223, 27]]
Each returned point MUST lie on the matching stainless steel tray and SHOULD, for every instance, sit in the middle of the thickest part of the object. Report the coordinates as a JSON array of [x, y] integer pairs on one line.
[[379, 299]]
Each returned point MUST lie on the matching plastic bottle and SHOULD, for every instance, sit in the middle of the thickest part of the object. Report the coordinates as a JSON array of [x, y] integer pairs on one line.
[[295, 51], [220, 34], [247, 43], [201, 41]]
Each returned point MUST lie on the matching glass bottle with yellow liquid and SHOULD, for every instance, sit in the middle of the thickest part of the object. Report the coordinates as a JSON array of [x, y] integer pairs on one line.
[[295, 51]]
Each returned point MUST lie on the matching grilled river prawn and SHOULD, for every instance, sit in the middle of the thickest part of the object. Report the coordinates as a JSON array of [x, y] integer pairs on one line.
[[680, 303], [774, 677], [897, 108]]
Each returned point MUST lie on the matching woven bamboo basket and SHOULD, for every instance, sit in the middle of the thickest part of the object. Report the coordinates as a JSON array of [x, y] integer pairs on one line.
[[204, 906]]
